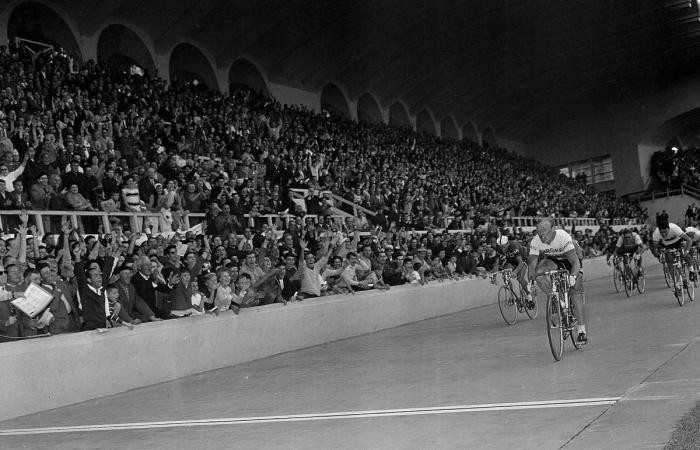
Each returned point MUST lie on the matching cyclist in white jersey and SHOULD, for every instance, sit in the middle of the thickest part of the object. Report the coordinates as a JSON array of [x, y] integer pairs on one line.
[[551, 249], [694, 235], [670, 236]]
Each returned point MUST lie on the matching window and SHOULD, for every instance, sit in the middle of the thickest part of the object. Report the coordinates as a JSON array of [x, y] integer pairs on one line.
[[596, 170]]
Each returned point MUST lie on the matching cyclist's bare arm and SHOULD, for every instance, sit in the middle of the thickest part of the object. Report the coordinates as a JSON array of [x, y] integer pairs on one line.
[[654, 247], [687, 241], [573, 260]]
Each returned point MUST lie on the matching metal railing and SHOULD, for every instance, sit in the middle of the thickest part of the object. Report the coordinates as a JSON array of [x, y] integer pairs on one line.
[[49, 222], [684, 189], [301, 193]]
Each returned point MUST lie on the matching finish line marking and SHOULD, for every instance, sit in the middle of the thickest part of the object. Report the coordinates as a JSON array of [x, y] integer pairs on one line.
[[605, 401]]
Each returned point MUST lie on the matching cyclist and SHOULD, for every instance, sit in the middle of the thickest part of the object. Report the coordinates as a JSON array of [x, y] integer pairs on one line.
[[694, 234], [511, 255], [551, 249], [668, 235], [629, 243]]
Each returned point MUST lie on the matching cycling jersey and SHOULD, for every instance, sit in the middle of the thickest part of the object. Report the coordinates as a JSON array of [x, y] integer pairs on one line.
[[556, 249], [673, 236], [694, 234], [630, 243], [511, 253]]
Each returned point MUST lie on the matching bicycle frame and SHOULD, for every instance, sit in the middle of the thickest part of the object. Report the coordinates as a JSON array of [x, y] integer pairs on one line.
[[559, 279], [506, 276]]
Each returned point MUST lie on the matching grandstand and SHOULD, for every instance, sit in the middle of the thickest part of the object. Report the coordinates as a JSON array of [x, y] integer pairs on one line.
[[212, 160]]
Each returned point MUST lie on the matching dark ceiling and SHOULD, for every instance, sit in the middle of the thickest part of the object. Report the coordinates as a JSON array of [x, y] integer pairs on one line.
[[519, 66]]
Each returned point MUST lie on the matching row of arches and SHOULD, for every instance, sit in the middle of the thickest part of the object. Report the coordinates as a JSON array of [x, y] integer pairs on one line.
[[120, 46]]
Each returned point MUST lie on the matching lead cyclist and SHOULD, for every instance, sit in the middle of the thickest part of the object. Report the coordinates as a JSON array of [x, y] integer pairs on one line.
[[552, 249]]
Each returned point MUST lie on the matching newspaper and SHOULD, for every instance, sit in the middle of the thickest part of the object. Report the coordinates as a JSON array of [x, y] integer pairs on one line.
[[35, 300]]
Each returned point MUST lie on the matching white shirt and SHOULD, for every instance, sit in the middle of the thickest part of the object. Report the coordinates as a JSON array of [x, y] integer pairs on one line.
[[556, 249], [674, 235], [11, 177], [101, 292], [635, 238]]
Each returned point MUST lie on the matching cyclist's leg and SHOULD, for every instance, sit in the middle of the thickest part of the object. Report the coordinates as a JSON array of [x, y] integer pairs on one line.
[[545, 265], [522, 276], [620, 264], [638, 262], [577, 299]]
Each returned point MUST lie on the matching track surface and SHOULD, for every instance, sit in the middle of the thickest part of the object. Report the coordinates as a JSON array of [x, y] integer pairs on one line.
[[431, 384]]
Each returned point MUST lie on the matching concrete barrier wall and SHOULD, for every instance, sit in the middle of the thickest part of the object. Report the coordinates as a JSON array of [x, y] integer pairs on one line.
[[48, 373]]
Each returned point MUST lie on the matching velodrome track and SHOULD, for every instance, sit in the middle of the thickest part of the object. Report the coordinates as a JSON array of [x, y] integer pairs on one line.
[[465, 380]]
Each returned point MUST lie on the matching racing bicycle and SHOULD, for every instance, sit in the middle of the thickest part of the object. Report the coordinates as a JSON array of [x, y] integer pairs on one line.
[[678, 274], [625, 277], [560, 313], [510, 303]]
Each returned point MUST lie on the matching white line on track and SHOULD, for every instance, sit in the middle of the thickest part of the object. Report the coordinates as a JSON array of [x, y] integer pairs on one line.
[[605, 401]]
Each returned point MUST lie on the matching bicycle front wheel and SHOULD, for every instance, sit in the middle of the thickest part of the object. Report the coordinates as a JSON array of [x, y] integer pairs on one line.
[[627, 280], [617, 278], [689, 285], [677, 278], [641, 281], [507, 305], [555, 330]]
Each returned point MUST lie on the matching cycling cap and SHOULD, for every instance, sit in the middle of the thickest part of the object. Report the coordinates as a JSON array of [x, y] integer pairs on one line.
[[503, 240]]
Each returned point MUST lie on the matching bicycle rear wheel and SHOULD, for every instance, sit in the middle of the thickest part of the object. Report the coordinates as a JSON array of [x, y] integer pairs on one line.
[[668, 276], [627, 280], [507, 305], [617, 278], [531, 312], [641, 280], [555, 331]]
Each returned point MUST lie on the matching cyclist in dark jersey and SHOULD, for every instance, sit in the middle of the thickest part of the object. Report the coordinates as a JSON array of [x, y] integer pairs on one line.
[[629, 243], [511, 255]]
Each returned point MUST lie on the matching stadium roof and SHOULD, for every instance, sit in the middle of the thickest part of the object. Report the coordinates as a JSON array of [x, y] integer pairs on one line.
[[515, 65]]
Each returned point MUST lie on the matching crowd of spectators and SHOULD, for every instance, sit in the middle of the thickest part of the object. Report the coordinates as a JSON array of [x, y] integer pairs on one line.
[[674, 167], [88, 138]]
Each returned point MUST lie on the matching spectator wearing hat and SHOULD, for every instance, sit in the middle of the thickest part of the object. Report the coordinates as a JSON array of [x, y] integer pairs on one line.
[[77, 177]]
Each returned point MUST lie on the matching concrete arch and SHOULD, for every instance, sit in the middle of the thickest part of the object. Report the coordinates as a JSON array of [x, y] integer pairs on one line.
[[368, 109], [187, 63], [425, 122], [448, 128], [246, 72], [118, 43], [488, 137], [39, 21], [334, 99], [398, 115], [471, 132]]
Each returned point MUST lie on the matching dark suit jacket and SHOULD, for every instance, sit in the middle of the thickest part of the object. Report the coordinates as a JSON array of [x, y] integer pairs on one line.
[[149, 291], [133, 306], [93, 304], [146, 190]]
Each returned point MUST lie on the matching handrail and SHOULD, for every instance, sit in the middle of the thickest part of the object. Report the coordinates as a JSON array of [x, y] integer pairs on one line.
[[39, 217], [299, 193]]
